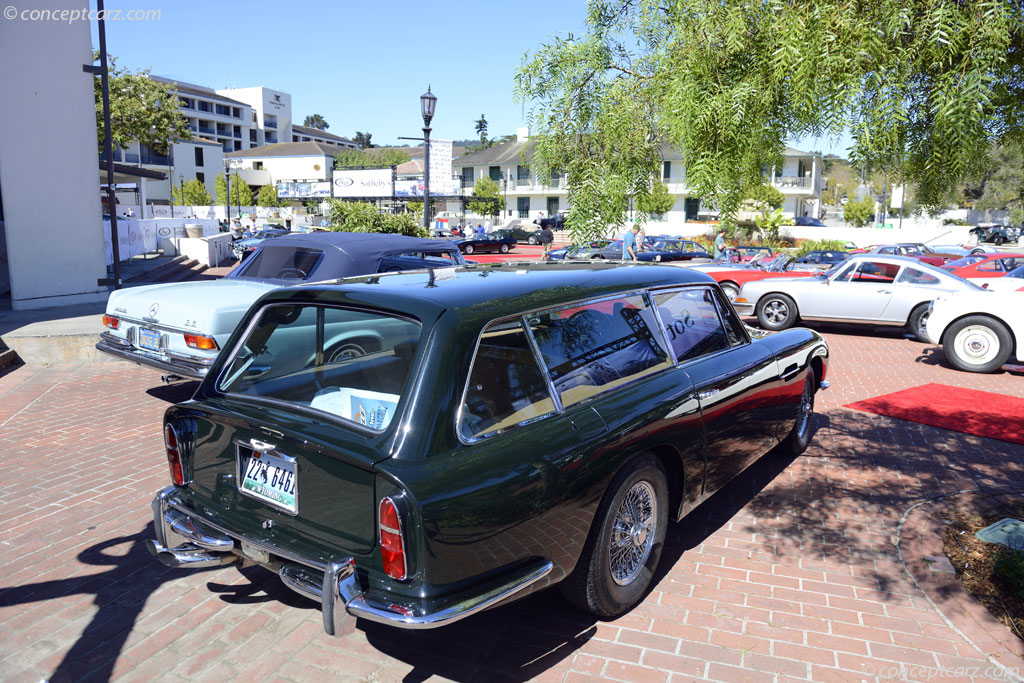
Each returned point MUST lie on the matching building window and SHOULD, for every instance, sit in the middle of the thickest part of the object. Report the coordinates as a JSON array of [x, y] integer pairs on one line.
[[201, 177], [666, 170], [223, 110], [295, 138], [252, 135], [523, 207], [185, 102], [467, 176], [202, 106], [199, 157], [522, 173], [495, 173], [257, 165], [236, 112], [238, 145]]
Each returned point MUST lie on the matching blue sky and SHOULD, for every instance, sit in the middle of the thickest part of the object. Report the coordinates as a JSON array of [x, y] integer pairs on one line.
[[362, 65]]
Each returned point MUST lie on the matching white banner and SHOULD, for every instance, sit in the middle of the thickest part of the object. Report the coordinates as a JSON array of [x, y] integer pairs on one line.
[[408, 188], [896, 200], [372, 182], [441, 181]]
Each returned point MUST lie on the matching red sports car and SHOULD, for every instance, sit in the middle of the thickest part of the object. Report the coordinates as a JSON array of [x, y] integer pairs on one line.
[[732, 278], [985, 265]]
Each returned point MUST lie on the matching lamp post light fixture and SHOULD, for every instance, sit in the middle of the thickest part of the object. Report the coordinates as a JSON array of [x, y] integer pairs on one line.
[[428, 101], [181, 188]]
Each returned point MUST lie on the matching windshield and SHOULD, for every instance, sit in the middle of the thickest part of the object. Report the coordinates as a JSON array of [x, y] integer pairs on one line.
[[348, 364], [281, 263], [966, 261], [779, 263]]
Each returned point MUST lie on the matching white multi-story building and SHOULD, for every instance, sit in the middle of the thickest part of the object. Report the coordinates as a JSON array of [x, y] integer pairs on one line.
[[307, 134], [284, 162], [526, 196]]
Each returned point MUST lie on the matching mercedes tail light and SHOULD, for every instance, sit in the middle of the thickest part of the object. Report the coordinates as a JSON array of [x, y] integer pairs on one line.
[[171, 443], [111, 321], [197, 341], [392, 543]]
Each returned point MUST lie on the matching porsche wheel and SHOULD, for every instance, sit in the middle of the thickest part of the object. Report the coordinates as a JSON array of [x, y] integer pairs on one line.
[[776, 312], [468, 249], [503, 248], [977, 343], [532, 240], [917, 321]]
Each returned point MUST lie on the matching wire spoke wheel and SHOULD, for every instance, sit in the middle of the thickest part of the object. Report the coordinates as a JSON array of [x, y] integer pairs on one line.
[[632, 533]]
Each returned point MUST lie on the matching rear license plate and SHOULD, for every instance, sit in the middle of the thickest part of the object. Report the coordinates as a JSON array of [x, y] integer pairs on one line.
[[149, 339], [269, 478]]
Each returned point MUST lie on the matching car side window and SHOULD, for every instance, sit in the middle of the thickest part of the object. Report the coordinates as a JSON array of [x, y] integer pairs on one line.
[[993, 266], [913, 276], [873, 272], [505, 387], [691, 321], [593, 347]]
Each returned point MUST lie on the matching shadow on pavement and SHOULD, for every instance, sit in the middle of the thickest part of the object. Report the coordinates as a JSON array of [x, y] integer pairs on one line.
[[174, 393], [120, 594]]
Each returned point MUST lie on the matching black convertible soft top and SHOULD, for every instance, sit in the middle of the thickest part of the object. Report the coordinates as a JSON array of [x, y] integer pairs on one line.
[[345, 254]]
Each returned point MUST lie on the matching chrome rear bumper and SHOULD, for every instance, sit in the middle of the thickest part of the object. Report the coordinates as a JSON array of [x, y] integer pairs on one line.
[[185, 539], [169, 363]]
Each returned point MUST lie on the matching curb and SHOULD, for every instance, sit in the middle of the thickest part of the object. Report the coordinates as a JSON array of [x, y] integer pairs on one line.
[[921, 538]]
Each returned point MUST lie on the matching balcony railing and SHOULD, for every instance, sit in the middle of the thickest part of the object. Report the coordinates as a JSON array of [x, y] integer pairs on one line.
[[792, 181], [131, 158], [269, 124], [207, 129], [156, 159], [238, 134]]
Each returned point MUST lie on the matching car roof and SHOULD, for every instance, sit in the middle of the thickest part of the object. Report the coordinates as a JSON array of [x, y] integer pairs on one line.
[[488, 291]]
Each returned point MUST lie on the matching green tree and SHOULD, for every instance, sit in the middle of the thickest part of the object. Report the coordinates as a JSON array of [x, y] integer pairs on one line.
[[141, 109], [241, 193], [1002, 184], [195, 194], [485, 188], [765, 195], [858, 211], [769, 225], [481, 130], [658, 202], [316, 121], [365, 217], [267, 196], [355, 158], [923, 85], [362, 139]]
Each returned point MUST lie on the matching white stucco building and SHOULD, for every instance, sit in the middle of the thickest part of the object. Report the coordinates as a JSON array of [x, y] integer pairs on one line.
[[284, 162], [526, 196], [54, 257]]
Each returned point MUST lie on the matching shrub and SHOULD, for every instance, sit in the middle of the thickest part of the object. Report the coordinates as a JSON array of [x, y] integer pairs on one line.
[[815, 245], [1009, 566], [858, 212], [364, 217]]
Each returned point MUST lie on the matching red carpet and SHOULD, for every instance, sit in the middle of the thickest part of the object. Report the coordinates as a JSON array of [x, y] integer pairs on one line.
[[981, 413]]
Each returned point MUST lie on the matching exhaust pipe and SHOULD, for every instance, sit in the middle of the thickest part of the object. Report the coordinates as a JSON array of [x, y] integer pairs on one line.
[[188, 556]]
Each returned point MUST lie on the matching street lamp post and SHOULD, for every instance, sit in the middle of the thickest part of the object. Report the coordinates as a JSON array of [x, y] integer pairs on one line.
[[428, 101], [181, 186], [170, 183], [227, 195]]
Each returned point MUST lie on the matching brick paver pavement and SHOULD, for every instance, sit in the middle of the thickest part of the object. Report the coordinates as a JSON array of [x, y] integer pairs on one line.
[[789, 573]]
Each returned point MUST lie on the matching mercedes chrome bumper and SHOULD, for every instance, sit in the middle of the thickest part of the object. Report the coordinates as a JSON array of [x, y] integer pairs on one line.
[[185, 539], [169, 363]]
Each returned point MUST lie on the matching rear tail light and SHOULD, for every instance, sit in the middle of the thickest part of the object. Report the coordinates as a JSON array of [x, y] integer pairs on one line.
[[392, 543], [199, 342], [173, 455], [111, 321]]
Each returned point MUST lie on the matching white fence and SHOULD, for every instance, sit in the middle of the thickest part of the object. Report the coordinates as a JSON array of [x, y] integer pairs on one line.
[[137, 237]]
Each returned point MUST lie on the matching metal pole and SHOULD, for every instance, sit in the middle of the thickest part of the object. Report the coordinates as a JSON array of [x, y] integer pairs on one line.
[[238, 199], [227, 196], [170, 185], [108, 144], [181, 181], [426, 177]]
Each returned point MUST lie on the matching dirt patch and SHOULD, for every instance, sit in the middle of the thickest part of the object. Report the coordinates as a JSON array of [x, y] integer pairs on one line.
[[975, 560]]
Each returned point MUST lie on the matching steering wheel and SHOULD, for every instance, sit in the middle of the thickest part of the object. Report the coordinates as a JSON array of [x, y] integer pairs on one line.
[[292, 274]]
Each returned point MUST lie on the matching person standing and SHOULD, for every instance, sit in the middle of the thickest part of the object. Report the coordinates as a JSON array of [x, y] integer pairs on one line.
[[720, 244], [547, 237], [629, 244], [480, 231], [487, 225]]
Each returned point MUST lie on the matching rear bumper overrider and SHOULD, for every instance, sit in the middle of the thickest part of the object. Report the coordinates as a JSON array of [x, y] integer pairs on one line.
[[186, 539]]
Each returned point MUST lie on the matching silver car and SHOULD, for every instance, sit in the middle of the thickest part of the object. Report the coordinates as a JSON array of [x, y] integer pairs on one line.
[[865, 288]]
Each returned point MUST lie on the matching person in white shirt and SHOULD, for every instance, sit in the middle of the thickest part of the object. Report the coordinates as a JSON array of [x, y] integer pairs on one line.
[[487, 225]]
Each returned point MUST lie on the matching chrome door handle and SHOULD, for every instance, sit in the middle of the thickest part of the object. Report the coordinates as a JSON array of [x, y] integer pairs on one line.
[[708, 394], [885, 291], [790, 373]]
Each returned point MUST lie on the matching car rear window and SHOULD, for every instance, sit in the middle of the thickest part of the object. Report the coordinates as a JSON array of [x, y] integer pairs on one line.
[[691, 322], [590, 348], [346, 363], [282, 263]]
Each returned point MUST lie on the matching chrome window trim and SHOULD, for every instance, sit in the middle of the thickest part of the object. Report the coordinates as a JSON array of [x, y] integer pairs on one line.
[[470, 440]]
